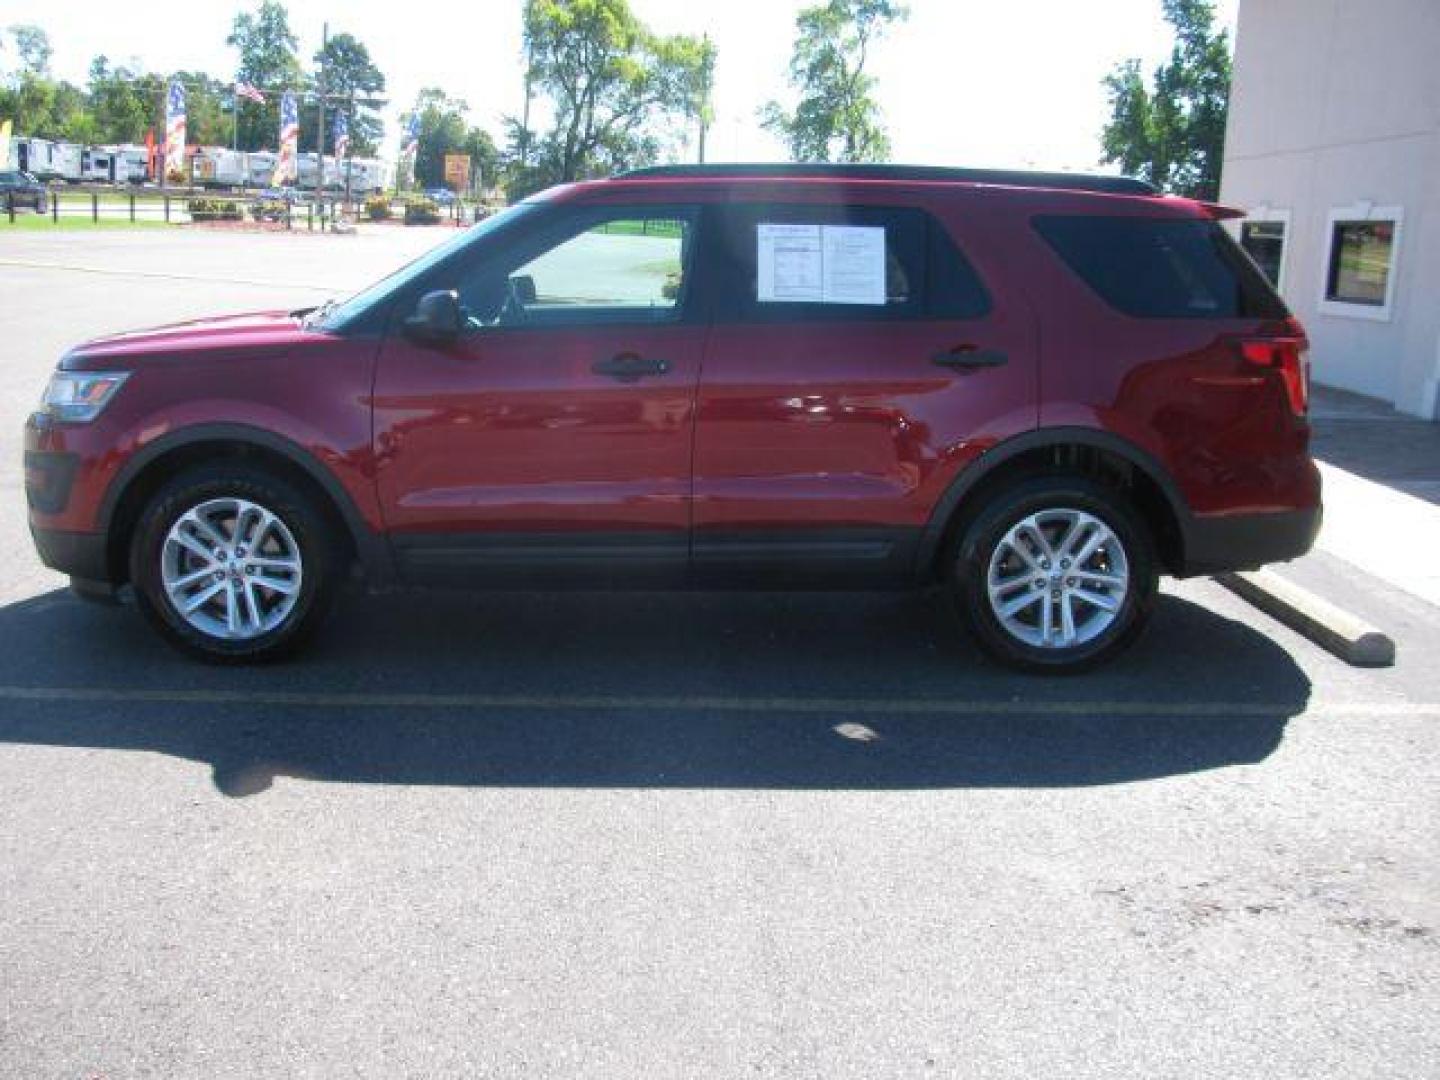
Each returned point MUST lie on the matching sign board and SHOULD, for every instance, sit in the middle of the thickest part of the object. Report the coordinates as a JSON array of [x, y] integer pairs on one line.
[[457, 171], [819, 264]]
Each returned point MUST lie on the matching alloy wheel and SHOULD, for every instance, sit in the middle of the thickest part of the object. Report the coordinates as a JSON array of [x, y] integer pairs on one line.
[[231, 569], [1058, 578]]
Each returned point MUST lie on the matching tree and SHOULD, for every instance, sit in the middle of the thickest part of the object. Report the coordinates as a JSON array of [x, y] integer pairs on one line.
[[613, 86], [266, 45], [33, 45], [445, 130], [1173, 133], [353, 76], [701, 103], [40, 106], [122, 103], [836, 117]]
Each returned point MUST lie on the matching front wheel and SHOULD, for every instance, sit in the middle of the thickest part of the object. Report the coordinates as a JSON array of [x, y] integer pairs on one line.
[[233, 564], [1055, 575]]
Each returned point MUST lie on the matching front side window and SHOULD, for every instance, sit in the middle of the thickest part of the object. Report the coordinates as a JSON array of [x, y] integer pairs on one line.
[[625, 264], [1264, 241], [594, 267], [1361, 262]]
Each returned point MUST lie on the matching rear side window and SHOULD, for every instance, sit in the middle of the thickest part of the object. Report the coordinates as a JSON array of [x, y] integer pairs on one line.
[[1160, 268], [800, 263]]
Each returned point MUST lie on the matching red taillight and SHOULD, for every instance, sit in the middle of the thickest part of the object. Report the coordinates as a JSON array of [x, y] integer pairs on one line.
[[1285, 355]]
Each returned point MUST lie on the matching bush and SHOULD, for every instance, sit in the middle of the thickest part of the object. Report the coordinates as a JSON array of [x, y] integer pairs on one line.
[[214, 210], [268, 209], [377, 208], [421, 211]]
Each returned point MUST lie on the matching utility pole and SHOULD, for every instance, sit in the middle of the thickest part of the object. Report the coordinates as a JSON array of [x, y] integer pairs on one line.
[[349, 157], [320, 133]]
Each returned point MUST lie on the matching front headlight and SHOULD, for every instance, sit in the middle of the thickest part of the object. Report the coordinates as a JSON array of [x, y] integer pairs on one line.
[[78, 396]]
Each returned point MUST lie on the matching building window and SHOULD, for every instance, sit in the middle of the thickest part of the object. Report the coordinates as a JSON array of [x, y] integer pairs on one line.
[[1264, 241], [1360, 254], [1361, 261]]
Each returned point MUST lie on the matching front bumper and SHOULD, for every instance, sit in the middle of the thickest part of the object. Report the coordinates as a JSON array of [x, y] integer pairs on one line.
[[81, 555], [1219, 542]]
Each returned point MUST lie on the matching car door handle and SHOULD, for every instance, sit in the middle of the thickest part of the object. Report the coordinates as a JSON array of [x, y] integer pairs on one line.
[[971, 358], [630, 366]]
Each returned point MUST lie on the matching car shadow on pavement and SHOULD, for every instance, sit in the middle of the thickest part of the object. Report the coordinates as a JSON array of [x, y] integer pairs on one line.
[[782, 691]]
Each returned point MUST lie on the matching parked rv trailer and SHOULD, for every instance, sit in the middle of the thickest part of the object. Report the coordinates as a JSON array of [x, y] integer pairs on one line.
[[216, 166], [45, 160], [260, 167], [133, 165]]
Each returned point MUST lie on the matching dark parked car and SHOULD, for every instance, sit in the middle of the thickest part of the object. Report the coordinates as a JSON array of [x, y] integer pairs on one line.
[[19, 189], [1038, 392]]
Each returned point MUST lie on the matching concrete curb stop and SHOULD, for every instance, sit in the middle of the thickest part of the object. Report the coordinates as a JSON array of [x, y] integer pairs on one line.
[[1349, 637]]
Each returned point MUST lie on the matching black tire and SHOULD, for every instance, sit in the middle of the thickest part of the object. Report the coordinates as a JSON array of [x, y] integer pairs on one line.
[[314, 538], [969, 566]]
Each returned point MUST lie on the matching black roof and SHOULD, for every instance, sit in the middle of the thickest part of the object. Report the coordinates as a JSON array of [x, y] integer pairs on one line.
[[1113, 185]]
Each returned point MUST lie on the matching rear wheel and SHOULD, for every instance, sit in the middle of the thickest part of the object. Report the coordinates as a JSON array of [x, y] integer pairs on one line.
[[1057, 574], [232, 564]]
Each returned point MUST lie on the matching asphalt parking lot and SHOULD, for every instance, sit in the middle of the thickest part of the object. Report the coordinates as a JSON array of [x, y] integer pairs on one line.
[[684, 835]]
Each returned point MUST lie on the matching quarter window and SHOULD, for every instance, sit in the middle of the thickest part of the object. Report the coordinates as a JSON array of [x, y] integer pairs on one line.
[[1162, 268]]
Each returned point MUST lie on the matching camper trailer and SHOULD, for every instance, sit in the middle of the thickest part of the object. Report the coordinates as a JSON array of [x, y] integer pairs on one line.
[[216, 166]]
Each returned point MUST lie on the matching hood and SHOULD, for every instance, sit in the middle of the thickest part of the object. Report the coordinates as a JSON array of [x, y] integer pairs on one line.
[[241, 335]]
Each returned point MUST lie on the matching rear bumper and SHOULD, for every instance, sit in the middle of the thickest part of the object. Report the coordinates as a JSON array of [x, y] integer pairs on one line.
[[1215, 543]]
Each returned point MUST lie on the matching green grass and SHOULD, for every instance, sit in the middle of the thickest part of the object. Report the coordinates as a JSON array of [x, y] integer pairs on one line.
[[30, 222], [667, 229]]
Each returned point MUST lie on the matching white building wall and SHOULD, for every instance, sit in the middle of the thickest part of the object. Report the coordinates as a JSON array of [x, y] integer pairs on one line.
[[1336, 104]]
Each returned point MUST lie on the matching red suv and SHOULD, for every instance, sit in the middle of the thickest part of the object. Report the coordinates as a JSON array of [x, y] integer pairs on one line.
[[1037, 391]]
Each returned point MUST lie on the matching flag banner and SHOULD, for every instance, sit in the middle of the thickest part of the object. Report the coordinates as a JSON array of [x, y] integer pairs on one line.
[[341, 137], [5, 126], [250, 93], [175, 131], [412, 137], [287, 161]]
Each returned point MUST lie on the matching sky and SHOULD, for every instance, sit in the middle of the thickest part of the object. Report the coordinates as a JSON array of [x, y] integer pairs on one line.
[[961, 82]]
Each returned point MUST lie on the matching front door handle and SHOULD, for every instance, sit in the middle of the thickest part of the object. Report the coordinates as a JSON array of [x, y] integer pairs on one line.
[[971, 358], [628, 365]]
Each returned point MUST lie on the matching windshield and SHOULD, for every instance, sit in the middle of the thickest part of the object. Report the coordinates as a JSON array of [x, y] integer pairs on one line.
[[335, 316]]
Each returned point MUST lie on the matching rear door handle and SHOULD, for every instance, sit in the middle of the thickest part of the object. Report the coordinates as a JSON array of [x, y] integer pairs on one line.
[[971, 358], [628, 365]]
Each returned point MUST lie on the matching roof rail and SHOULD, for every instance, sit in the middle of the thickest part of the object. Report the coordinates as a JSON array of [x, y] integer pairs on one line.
[[1113, 185]]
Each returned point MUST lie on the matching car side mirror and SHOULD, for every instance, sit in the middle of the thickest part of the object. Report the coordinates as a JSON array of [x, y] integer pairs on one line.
[[437, 318]]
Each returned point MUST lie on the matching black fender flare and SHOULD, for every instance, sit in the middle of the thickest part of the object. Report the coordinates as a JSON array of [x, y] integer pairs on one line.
[[373, 551], [933, 533]]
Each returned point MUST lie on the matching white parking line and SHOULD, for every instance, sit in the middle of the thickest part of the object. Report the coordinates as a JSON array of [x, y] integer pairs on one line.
[[166, 276], [867, 706]]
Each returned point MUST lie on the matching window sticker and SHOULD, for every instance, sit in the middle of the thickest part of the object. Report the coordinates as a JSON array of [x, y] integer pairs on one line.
[[820, 264]]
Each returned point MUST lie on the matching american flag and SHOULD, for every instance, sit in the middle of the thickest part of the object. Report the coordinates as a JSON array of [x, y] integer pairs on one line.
[[342, 135], [175, 129], [249, 92], [412, 137], [286, 170]]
